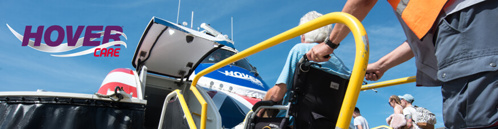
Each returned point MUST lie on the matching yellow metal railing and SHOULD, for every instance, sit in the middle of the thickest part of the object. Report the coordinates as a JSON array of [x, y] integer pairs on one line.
[[185, 109], [382, 127], [389, 83], [201, 101], [360, 63]]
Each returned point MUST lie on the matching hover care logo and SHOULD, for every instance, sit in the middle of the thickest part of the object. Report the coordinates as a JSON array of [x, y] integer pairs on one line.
[[53, 43]]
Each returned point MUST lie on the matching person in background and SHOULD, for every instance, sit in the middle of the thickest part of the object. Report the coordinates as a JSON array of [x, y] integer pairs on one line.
[[409, 111], [359, 121], [397, 119], [454, 43]]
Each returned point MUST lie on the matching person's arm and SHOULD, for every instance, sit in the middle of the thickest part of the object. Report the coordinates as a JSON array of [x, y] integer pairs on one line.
[[409, 121], [357, 8], [399, 55], [275, 94], [359, 127]]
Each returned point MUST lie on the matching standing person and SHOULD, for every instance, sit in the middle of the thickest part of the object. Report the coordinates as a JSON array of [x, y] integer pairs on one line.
[[397, 119], [455, 46], [280, 91], [359, 121], [409, 111]]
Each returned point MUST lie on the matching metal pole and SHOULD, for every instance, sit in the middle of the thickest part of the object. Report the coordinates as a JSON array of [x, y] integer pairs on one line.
[[178, 14]]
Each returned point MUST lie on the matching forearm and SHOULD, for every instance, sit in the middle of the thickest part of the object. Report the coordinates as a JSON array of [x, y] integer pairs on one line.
[[409, 123], [409, 120], [399, 55], [357, 8], [276, 93]]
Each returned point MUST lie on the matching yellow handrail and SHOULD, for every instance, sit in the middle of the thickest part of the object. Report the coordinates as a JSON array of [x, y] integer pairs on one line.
[[359, 69], [185, 109], [382, 127], [389, 83], [357, 75], [203, 103]]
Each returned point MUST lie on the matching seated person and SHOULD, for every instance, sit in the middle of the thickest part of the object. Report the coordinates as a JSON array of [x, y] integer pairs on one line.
[[280, 91]]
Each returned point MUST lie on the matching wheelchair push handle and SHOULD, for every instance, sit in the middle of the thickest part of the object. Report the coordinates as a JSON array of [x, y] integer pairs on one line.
[[263, 103]]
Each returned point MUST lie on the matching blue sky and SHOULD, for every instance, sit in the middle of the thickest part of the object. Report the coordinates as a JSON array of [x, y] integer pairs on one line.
[[26, 69]]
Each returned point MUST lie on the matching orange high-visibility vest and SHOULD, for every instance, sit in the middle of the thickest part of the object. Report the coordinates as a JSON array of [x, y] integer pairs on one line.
[[419, 15]]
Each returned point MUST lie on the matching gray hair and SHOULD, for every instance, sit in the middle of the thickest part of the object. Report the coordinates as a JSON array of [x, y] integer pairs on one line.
[[316, 36]]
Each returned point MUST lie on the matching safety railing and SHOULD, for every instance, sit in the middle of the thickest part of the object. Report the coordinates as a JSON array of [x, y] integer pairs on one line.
[[183, 104], [389, 83], [360, 63], [201, 101], [382, 127]]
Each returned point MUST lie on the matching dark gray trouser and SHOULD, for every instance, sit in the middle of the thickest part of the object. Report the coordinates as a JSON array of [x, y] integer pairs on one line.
[[471, 102], [467, 54]]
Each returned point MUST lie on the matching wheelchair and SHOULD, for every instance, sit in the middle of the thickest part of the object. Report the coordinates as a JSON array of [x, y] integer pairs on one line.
[[315, 100]]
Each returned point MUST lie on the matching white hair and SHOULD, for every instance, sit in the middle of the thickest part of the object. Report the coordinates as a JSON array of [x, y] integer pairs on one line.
[[318, 35]]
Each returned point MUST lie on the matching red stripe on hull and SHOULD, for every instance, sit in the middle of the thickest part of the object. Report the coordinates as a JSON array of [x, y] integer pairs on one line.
[[112, 85], [251, 99]]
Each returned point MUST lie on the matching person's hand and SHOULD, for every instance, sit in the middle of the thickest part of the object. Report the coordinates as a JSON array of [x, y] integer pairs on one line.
[[268, 96], [374, 72], [260, 113], [275, 94], [319, 53]]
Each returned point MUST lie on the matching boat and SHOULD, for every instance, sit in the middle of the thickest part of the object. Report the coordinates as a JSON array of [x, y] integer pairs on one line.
[[156, 93], [172, 53]]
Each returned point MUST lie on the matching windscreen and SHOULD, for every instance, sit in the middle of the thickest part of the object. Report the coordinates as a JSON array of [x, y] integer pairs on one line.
[[221, 54]]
